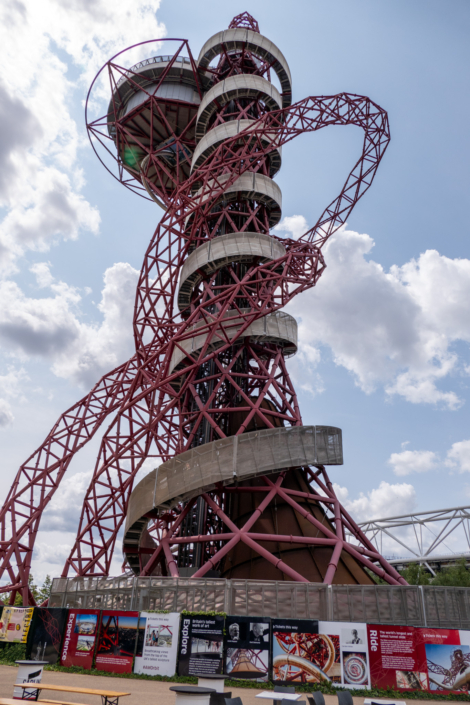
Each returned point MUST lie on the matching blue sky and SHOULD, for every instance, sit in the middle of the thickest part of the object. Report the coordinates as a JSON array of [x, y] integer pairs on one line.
[[384, 336]]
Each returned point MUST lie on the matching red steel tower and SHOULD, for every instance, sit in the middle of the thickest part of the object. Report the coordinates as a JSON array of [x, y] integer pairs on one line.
[[241, 489]]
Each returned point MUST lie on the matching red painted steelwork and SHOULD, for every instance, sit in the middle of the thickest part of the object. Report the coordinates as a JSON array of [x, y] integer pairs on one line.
[[231, 382]]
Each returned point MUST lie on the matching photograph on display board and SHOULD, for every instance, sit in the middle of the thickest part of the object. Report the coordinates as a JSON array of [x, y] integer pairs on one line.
[[355, 668], [79, 639], [201, 645], [448, 667], [117, 641], [48, 630], [247, 648], [445, 657], [411, 680], [350, 665], [15, 623], [299, 653], [157, 644]]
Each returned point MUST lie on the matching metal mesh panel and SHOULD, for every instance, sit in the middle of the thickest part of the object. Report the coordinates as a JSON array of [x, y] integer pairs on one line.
[[376, 604], [447, 607]]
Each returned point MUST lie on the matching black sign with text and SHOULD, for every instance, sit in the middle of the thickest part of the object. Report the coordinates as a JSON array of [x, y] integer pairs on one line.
[[247, 647], [201, 643]]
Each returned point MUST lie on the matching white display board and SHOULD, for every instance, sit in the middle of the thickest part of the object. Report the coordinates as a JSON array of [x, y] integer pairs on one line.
[[160, 644], [351, 667]]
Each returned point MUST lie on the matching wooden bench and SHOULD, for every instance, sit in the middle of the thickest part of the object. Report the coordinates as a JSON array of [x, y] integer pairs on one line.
[[55, 702], [108, 697]]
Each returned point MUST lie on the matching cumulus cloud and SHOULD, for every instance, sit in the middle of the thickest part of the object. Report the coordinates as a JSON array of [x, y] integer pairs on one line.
[[40, 176], [63, 512], [409, 461], [459, 456], [52, 327], [6, 414], [294, 226], [392, 329], [10, 388], [383, 501]]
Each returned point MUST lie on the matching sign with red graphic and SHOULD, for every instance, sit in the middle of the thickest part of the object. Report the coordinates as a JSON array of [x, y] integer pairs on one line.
[[79, 640], [117, 641], [413, 658]]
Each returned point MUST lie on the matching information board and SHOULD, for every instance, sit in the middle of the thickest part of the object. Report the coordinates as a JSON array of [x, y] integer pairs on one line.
[[48, 628], [294, 642], [419, 658], [342, 653], [15, 623], [247, 647], [200, 648], [157, 656], [78, 646], [116, 641]]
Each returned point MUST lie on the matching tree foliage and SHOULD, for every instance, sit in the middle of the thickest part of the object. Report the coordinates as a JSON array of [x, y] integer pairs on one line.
[[40, 594], [457, 575]]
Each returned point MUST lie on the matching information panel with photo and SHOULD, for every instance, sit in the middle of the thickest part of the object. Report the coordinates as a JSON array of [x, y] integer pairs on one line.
[[157, 654], [343, 653], [247, 642], [78, 646], [117, 641], [295, 648], [419, 658]]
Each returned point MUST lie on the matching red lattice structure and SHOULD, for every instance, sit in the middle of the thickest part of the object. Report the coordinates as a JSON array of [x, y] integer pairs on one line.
[[204, 139]]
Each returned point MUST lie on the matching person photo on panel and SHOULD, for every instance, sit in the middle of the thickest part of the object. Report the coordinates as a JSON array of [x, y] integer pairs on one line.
[[234, 631], [355, 639], [259, 632]]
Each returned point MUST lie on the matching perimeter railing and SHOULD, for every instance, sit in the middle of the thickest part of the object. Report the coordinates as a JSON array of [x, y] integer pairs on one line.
[[425, 606]]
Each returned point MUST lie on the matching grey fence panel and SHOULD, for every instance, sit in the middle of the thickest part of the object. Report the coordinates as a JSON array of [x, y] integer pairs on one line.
[[447, 607], [438, 606]]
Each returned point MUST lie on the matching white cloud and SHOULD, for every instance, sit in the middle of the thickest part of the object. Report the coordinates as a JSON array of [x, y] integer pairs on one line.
[[459, 456], [6, 414], [10, 388], [409, 461], [40, 177], [384, 501], [302, 369], [52, 327], [63, 512], [293, 225], [391, 329]]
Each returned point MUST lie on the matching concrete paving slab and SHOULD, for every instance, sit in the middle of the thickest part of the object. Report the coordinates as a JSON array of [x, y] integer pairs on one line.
[[143, 692]]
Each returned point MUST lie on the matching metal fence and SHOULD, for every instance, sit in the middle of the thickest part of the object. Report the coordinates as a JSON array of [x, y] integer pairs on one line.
[[447, 607]]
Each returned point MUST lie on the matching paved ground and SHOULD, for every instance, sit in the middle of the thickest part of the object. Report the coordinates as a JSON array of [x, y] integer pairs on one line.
[[142, 692]]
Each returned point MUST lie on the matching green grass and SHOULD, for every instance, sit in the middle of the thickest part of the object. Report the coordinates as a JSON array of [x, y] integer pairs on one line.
[[11, 653]]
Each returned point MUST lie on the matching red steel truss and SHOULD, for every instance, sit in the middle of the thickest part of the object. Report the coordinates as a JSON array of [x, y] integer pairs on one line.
[[231, 382]]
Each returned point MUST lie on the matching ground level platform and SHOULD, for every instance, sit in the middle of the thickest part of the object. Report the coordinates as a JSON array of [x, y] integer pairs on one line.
[[143, 692]]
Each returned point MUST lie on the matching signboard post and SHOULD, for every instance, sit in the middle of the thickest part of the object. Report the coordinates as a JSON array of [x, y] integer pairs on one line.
[[160, 644]]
